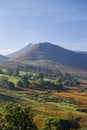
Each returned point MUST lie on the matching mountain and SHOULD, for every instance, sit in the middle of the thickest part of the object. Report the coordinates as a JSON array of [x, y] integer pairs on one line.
[[82, 52], [43, 52], [3, 58], [21, 51]]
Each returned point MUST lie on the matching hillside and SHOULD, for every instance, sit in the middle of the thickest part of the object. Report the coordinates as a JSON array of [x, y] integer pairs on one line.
[[51, 53], [21, 51], [3, 58]]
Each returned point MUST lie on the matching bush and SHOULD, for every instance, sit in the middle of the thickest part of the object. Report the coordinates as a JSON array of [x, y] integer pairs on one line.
[[20, 83], [16, 117], [5, 83], [1, 72], [11, 85], [56, 124]]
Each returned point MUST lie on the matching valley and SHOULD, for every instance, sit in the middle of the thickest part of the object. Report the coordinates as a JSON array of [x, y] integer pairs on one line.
[[49, 79], [48, 103]]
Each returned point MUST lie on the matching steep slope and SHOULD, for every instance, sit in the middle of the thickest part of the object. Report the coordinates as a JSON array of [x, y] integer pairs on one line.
[[21, 51], [3, 58], [56, 54]]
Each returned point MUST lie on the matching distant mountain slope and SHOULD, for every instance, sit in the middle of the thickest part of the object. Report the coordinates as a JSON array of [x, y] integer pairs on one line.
[[82, 52], [21, 51], [55, 54], [3, 58]]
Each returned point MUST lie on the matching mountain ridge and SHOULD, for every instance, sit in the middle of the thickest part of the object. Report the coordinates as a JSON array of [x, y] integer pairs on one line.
[[3, 58], [20, 51], [50, 52]]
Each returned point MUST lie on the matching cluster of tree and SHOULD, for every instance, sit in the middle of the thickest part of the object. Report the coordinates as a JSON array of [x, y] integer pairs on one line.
[[61, 124], [38, 80], [69, 80], [34, 77], [48, 72], [1, 71], [56, 124], [39, 83], [24, 81], [10, 71], [5, 83], [71, 83], [13, 72], [16, 117], [65, 79]]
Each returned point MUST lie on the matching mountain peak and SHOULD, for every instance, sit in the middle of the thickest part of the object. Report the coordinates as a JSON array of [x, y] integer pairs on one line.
[[45, 44], [30, 44], [49, 52]]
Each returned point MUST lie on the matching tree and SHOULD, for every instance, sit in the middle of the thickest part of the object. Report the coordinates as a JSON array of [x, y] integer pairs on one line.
[[16, 117], [16, 72], [5, 83], [67, 76], [1, 71], [25, 80], [30, 76], [74, 123], [39, 76], [11, 85], [20, 83], [33, 85], [67, 83], [56, 124], [9, 71], [43, 83], [58, 84], [40, 82]]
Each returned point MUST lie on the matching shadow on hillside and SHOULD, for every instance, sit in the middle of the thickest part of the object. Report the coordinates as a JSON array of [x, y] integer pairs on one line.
[[6, 98]]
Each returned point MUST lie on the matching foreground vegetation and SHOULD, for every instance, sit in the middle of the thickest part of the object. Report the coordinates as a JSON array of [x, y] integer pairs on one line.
[[16, 117], [41, 101]]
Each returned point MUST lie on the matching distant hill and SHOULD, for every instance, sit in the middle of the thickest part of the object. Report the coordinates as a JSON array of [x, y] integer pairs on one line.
[[82, 52], [3, 58], [50, 52], [21, 51]]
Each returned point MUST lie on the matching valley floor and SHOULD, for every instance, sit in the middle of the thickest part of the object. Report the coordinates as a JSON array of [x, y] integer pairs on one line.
[[49, 103]]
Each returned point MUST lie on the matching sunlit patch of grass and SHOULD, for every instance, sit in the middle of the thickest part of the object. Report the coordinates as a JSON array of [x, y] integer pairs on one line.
[[14, 79], [39, 120]]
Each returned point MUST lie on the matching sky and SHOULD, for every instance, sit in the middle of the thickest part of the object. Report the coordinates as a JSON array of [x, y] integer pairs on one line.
[[61, 22]]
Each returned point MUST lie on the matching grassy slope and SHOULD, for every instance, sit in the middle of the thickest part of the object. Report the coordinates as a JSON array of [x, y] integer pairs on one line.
[[48, 52], [43, 105], [47, 103]]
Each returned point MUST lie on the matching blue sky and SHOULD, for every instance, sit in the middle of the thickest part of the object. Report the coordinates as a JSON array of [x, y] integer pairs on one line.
[[61, 22]]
